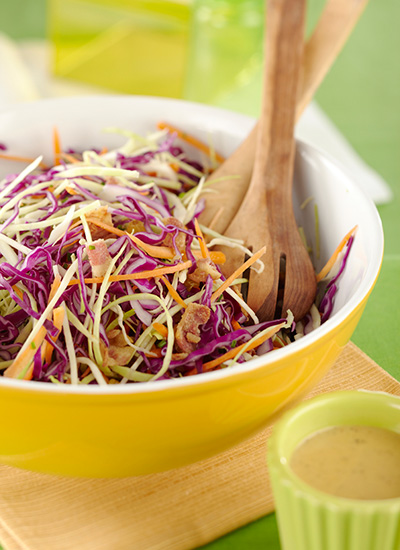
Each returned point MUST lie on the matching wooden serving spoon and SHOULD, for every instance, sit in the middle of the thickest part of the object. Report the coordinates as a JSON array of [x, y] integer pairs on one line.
[[232, 177], [266, 215]]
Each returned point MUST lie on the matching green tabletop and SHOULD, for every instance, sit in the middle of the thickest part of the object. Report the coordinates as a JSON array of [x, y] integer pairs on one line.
[[362, 96]]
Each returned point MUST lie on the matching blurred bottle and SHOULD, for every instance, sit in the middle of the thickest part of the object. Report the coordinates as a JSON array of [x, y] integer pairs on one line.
[[130, 46], [226, 53], [204, 50]]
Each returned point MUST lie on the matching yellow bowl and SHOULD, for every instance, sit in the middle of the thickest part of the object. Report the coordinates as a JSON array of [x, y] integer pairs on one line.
[[143, 428]]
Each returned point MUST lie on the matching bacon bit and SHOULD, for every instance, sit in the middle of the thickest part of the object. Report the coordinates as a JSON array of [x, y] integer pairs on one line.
[[118, 352], [187, 333], [204, 268], [135, 226], [179, 356], [180, 238], [112, 180], [96, 218], [99, 257]]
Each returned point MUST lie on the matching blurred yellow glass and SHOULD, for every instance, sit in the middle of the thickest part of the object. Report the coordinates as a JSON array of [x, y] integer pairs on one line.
[[204, 50], [130, 46]]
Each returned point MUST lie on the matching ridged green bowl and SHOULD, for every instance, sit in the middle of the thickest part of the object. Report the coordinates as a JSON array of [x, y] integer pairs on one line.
[[309, 519]]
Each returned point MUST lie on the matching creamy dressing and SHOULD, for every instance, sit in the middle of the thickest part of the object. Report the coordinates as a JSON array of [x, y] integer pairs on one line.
[[359, 462]]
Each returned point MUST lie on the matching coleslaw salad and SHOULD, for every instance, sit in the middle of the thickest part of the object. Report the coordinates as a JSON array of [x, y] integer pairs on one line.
[[106, 276]]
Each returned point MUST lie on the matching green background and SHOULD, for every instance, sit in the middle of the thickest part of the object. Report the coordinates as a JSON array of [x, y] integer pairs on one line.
[[361, 94]]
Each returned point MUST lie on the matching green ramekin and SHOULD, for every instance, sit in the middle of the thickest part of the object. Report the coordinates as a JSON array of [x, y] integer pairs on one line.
[[309, 519]]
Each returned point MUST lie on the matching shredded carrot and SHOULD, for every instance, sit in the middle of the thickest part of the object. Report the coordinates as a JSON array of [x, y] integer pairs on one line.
[[236, 325], [58, 317], [69, 158], [161, 329], [24, 360], [217, 257], [18, 292], [23, 363], [233, 352], [189, 139], [47, 348], [173, 292], [86, 373], [237, 273], [56, 146], [103, 151], [203, 247], [66, 246], [134, 276], [71, 190], [75, 225], [55, 285], [330, 263], [154, 251], [154, 352], [17, 158]]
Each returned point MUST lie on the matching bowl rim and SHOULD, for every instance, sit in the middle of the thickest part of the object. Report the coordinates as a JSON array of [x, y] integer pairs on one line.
[[257, 363]]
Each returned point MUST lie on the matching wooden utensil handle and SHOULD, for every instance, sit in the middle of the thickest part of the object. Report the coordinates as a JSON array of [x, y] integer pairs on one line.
[[320, 51], [283, 55]]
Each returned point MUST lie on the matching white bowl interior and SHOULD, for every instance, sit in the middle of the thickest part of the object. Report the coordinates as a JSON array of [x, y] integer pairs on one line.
[[341, 203]]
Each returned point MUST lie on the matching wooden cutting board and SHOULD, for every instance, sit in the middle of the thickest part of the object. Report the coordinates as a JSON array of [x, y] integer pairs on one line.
[[176, 510]]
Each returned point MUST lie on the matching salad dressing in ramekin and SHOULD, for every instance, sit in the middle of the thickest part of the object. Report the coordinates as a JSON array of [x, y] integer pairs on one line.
[[358, 462]]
